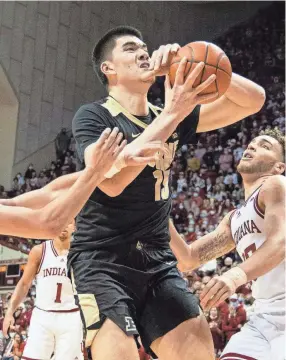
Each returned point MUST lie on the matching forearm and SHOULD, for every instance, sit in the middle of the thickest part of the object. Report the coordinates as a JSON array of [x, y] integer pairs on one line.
[[60, 212], [18, 296], [181, 250], [245, 92], [211, 246], [161, 128], [263, 260], [37, 199], [207, 248], [115, 185]]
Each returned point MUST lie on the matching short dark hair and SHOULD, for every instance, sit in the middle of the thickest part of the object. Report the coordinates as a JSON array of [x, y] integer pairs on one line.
[[277, 135], [106, 44]]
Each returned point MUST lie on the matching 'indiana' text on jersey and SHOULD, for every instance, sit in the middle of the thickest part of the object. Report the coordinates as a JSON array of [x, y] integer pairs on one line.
[[54, 272], [248, 227], [141, 211]]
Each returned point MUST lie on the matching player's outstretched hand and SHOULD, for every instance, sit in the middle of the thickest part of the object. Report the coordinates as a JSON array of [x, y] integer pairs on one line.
[[183, 97], [160, 61], [102, 154], [216, 291], [143, 154], [8, 321]]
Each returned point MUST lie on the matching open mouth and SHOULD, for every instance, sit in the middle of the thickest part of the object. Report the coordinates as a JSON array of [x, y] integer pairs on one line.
[[144, 65], [247, 156]]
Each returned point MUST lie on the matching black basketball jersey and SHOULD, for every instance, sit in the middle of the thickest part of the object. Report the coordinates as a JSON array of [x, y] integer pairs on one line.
[[141, 211]]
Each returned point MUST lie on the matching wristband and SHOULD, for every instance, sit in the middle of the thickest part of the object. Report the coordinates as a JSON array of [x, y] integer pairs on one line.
[[237, 275]]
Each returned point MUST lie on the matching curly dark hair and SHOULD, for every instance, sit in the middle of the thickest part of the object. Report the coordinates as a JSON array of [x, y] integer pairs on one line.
[[277, 135]]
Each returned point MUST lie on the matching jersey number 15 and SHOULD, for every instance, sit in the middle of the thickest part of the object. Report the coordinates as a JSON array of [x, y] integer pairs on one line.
[[162, 172]]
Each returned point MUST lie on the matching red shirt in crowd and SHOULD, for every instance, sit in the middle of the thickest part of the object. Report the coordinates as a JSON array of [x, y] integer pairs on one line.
[[223, 309], [27, 316], [230, 325], [241, 314], [21, 321], [217, 335]]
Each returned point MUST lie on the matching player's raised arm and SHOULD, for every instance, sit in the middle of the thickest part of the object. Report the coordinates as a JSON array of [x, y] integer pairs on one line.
[[49, 221], [23, 286], [269, 255], [208, 247], [39, 198], [243, 98]]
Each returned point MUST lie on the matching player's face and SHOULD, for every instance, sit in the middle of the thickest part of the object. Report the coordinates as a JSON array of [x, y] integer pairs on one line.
[[130, 59], [262, 156]]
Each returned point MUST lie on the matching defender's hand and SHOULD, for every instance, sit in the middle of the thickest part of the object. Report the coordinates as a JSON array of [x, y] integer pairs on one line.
[[102, 154], [216, 291], [8, 322], [143, 154]]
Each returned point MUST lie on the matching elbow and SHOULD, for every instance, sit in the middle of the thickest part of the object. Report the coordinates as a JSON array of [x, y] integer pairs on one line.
[[50, 228], [113, 191], [258, 99]]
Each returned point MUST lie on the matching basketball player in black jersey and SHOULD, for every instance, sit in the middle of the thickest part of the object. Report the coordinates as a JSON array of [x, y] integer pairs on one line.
[[120, 262]]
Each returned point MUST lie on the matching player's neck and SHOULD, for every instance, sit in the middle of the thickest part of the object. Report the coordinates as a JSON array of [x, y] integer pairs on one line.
[[135, 103], [62, 246], [251, 183]]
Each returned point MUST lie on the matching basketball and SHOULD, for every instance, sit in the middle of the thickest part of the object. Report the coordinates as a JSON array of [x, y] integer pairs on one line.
[[216, 62]]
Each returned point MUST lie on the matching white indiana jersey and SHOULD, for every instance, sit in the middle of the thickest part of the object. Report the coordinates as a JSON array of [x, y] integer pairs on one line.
[[53, 287], [247, 228]]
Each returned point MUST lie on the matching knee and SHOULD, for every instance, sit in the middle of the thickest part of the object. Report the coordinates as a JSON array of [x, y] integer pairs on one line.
[[112, 343]]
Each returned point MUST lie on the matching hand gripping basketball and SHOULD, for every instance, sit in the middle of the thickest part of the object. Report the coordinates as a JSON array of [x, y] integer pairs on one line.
[[183, 97]]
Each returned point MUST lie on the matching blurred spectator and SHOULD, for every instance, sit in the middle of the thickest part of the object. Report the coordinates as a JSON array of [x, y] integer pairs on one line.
[[208, 157], [17, 348], [62, 142], [231, 323], [29, 171], [200, 151], [225, 160], [215, 324], [237, 302], [182, 183], [34, 181]]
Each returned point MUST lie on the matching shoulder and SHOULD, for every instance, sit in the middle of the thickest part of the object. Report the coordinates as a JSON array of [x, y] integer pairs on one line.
[[228, 217], [273, 190], [224, 226], [92, 111], [37, 252]]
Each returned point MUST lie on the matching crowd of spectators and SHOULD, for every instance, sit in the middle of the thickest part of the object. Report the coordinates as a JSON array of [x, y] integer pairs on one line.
[[205, 183], [14, 347]]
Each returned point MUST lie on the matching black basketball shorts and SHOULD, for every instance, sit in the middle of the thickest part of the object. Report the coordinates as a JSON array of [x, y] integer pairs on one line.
[[138, 288]]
